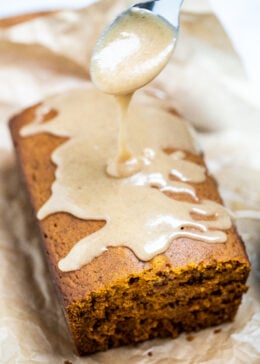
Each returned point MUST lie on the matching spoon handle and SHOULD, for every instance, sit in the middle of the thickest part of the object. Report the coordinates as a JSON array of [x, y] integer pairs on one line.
[[169, 9]]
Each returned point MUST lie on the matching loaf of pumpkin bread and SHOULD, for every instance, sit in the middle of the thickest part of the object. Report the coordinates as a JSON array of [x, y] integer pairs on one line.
[[117, 299]]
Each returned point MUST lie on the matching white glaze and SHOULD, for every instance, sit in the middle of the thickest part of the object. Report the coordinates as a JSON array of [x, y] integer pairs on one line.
[[137, 216]]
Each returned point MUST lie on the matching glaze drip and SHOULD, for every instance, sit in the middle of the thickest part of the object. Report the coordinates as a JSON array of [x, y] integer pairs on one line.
[[137, 216], [128, 55]]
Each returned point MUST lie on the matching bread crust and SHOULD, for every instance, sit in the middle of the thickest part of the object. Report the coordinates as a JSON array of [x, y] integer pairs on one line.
[[60, 231]]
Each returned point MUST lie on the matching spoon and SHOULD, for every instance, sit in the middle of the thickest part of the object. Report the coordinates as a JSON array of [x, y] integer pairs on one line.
[[135, 47]]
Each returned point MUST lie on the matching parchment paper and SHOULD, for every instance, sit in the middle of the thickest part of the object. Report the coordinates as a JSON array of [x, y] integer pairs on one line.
[[206, 83]]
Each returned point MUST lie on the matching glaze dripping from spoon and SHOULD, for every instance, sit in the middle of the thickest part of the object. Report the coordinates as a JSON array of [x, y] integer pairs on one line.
[[130, 53]]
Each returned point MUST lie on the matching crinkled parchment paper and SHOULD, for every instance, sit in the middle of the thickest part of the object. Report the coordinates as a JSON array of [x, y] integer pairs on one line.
[[206, 83]]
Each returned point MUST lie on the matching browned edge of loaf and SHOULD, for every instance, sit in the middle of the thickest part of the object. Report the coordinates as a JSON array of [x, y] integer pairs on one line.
[[61, 231]]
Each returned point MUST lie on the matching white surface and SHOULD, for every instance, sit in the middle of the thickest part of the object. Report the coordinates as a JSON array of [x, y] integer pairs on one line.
[[241, 20], [15, 7]]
